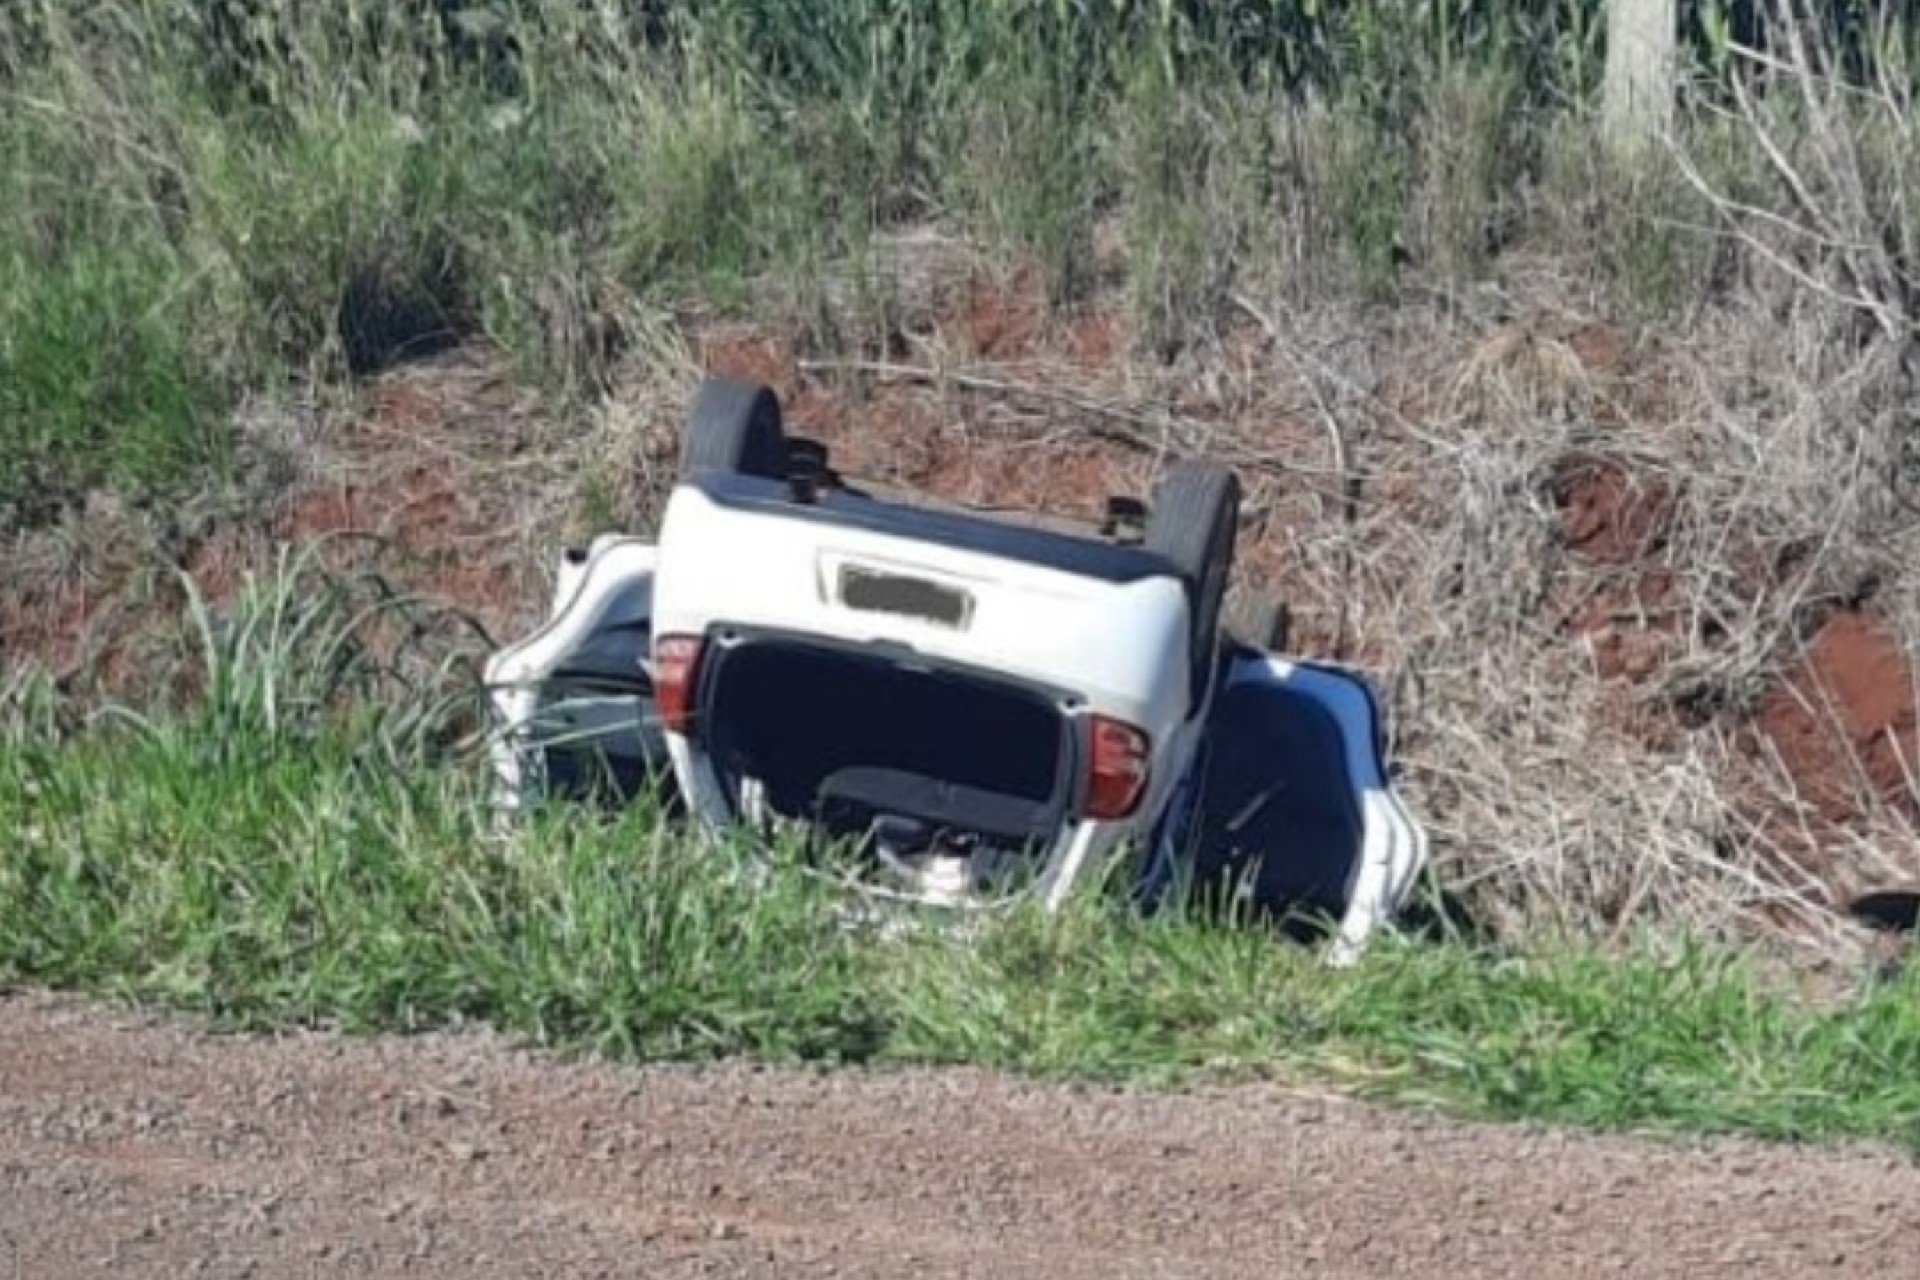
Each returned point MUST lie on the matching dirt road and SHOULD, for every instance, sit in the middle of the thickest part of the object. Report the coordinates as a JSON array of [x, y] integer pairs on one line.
[[135, 1147]]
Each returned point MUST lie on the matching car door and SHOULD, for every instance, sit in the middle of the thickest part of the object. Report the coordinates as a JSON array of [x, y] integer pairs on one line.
[[1297, 815], [574, 706]]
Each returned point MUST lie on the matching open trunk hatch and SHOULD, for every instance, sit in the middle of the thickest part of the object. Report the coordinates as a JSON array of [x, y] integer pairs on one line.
[[843, 736]]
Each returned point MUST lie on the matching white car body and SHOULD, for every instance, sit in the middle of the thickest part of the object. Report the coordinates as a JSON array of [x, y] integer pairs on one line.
[[1099, 646], [1033, 629]]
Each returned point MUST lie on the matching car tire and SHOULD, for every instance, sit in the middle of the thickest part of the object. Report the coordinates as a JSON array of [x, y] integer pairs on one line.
[[1260, 621], [1195, 516], [734, 428]]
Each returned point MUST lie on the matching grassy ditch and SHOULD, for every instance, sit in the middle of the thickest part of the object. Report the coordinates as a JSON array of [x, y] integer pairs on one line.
[[205, 209], [292, 846], [271, 882]]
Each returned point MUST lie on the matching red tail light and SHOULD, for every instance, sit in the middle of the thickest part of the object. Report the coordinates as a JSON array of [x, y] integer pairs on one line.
[[1116, 769], [676, 665]]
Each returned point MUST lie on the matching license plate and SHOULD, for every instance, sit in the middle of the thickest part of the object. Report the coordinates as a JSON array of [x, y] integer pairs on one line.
[[876, 591]]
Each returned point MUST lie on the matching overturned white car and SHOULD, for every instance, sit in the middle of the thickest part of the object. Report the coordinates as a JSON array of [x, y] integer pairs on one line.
[[963, 710]]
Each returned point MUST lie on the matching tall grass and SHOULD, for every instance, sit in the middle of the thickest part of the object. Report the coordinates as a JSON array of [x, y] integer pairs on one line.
[[205, 198], [99, 382]]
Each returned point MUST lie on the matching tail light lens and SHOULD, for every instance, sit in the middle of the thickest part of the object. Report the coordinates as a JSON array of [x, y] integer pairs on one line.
[[676, 665], [1116, 770]]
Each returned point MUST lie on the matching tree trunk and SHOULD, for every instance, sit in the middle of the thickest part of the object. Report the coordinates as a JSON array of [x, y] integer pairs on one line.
[[1642, 36]]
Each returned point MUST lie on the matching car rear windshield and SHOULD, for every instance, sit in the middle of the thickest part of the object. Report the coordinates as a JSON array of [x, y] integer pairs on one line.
[[804, 719]]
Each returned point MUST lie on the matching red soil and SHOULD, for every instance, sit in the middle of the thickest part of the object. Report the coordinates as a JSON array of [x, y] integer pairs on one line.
[[1843, 721], [1004, 317], [1616, 525], [1608, 513], [1840, 720]]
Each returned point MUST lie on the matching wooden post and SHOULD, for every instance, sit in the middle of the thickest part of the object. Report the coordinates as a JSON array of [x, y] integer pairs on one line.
[[1637, 100]]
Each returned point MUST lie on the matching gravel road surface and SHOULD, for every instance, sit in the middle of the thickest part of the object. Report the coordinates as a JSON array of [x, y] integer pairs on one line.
[[140, 1146]]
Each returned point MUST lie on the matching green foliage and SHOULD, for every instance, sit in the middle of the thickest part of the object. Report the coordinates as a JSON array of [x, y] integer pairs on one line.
[[311, 652], [99, 384], [208, 196], [1028, 170], [295, 880]]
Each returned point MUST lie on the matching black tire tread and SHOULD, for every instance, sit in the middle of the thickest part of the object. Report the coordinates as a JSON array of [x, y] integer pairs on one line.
[[734, 427], [1261, 621], [1195, 515]]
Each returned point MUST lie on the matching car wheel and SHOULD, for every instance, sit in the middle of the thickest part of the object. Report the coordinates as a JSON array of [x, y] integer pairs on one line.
[[1196, 513], [734, 428], [1260, 621]]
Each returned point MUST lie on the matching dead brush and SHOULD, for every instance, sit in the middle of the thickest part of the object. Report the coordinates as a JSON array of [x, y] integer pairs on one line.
[[1405, 504], [1563, 800], [1549, 814], [1559, 824], [630, 432], [1520, 372]]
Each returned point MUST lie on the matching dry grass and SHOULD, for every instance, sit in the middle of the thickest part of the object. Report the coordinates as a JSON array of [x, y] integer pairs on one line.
[[1402, 495]]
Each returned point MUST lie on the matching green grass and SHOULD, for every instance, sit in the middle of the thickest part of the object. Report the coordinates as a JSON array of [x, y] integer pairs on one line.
[[99, 380], [294, 879], [197, 209], [97, 386], [297, 844]]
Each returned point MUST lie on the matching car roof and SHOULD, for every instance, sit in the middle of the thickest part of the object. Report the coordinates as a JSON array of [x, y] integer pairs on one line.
[[1085, 556]]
